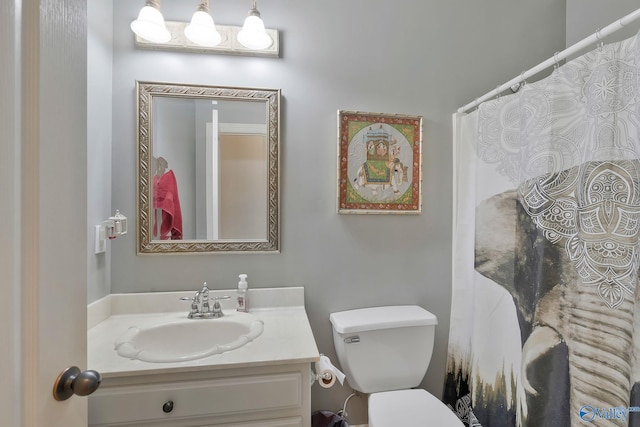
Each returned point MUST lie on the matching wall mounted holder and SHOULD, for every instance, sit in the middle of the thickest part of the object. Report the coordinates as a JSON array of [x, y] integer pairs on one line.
[[228, 46], [109, 229]]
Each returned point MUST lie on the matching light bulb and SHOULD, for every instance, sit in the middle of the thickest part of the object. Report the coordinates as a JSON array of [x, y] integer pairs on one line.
[[202, 31], [150, 25], [253, 35]]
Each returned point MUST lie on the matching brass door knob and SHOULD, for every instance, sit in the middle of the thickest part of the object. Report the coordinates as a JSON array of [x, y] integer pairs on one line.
[[73, 381]]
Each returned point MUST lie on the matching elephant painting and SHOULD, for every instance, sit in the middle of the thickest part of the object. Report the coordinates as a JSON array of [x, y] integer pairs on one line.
[[382, 168], [565, 247]]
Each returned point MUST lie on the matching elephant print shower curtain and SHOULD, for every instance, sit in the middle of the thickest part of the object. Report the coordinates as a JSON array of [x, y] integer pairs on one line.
[[545, 321]]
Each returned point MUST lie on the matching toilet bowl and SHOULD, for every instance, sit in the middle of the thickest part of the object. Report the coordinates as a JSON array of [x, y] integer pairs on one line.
[[401, 338]]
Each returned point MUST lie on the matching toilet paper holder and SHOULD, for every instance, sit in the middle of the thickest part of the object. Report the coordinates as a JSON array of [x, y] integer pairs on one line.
[[321, 376], [326, 374]]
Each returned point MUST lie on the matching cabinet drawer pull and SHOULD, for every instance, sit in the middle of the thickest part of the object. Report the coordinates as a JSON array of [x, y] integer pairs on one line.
[[167, 407]]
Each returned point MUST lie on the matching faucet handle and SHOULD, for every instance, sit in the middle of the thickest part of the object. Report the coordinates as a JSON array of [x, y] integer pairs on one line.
[[216, 300], [195, 298], [194, 305], [217, 309]]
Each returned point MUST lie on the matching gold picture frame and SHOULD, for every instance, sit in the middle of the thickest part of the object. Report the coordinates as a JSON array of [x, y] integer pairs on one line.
[[379, 163]]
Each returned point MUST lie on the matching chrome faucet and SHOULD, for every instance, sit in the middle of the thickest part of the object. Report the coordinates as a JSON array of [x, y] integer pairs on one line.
[[200, 307]]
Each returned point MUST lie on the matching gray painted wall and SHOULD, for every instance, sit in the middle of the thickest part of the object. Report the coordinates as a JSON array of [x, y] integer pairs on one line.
[[99, 124], [585, 17], [426, 58]]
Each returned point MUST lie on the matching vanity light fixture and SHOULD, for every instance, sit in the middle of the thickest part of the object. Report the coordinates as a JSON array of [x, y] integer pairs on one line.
[[253, 34], [202, 31], [202, 35], [150, 23]]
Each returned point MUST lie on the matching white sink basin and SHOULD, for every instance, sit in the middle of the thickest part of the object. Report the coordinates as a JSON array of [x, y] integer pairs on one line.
[[187, 339]]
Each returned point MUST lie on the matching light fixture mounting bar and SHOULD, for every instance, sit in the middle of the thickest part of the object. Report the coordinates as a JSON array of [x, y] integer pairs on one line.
[[228, 46]]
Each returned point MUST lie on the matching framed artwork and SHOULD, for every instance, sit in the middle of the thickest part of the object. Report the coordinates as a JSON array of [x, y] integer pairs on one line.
[[379, 163]]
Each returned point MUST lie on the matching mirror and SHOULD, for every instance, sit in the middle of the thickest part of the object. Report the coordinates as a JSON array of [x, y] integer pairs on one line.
[[207, 169]]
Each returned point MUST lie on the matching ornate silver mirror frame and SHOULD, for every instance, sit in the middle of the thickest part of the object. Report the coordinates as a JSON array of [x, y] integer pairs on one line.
[[146, 92]]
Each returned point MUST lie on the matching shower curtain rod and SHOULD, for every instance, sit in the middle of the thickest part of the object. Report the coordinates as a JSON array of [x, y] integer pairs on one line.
[[557, 57]]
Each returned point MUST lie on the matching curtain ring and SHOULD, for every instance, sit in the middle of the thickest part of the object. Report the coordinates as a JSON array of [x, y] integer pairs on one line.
[[557, 61], [519, 85], [599, 38], [498, 92]]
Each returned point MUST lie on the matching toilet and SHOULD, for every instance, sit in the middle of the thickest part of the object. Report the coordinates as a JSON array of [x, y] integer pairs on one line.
[[385, 352]]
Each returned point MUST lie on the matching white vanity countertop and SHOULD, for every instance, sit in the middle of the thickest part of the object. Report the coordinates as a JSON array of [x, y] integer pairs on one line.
[[287, 337]]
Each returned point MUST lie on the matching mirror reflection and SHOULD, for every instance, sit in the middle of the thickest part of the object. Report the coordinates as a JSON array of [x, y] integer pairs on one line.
[[207, 168]]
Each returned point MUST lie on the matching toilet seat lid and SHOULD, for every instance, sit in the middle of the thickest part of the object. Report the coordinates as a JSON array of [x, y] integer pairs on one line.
[[409, 408]]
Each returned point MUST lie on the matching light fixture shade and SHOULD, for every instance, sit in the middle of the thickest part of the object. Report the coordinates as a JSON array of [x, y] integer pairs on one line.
[[253, 35], [202, 31], [150, 25]]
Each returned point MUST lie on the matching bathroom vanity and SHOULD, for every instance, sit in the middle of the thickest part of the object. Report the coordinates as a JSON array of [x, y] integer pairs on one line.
[[265, 382]]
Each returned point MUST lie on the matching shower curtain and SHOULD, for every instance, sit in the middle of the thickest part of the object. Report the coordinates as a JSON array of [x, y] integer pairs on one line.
[[545, 321]]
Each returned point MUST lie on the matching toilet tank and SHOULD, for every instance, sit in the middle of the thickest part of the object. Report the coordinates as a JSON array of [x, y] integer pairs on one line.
[[384, 348]]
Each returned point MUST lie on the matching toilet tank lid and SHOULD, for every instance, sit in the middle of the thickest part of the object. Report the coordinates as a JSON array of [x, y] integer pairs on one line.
[[374, 318]]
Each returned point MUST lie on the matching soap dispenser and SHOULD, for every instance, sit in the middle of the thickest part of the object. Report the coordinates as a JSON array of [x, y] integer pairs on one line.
[[243, 296]]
